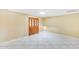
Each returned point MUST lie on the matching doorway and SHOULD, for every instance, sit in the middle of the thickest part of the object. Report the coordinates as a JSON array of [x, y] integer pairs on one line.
[[33, 25]]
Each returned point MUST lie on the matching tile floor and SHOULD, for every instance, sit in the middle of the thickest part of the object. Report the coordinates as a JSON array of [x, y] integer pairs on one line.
[[42, 40]]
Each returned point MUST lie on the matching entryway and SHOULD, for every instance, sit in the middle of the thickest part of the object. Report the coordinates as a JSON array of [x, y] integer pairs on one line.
[[33, 25]]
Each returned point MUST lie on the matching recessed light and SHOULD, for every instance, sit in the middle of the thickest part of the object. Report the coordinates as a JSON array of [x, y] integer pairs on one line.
[[42, 13]]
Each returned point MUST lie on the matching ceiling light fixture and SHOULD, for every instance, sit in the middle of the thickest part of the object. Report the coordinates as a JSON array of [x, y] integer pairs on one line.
[[42, 13]]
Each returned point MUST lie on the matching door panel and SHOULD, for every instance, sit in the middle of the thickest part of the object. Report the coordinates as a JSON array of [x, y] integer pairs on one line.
[[33, 25]]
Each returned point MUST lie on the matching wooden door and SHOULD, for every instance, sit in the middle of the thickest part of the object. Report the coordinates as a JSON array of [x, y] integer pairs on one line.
[[33, 25]]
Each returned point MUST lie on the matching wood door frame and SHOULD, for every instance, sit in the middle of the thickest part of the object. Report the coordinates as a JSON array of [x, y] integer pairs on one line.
[[37, 24]]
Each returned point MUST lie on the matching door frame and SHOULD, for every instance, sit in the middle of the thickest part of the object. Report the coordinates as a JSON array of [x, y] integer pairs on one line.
[[29, 24]]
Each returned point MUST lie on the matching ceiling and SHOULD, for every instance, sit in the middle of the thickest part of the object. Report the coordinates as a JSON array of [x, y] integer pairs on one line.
[[46, 12]]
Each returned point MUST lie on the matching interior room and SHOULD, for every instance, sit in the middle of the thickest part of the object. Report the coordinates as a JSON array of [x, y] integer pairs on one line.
[[39, 28]]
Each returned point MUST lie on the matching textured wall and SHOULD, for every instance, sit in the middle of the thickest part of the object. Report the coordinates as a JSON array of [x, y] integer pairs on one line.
[[12, 25], [66, 24]]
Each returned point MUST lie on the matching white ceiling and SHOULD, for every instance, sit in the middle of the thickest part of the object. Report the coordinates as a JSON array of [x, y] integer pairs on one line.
[[48, 12]]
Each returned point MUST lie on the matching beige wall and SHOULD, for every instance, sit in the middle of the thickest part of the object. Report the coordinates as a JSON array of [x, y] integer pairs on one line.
[[12, 25], [66, 24]]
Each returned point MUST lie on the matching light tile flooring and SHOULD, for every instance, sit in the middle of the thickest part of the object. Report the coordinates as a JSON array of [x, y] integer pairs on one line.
[[43, 40]]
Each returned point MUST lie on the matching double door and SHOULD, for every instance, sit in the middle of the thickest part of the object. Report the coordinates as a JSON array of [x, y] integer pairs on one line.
[[33, 25]]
